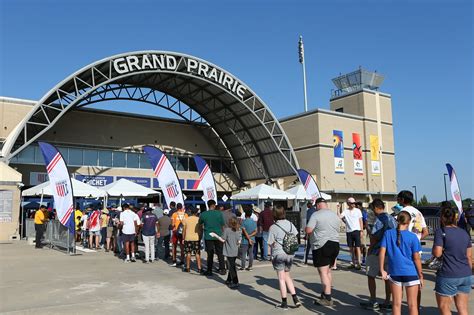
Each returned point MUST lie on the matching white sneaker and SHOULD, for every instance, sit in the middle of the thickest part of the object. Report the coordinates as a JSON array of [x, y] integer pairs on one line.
[[126, 260]]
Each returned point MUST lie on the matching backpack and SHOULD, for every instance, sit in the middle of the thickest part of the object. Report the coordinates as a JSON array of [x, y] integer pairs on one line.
[[290, 241]]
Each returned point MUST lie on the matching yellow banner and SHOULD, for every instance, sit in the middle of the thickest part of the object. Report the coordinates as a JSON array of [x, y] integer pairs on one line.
[[374, 148]]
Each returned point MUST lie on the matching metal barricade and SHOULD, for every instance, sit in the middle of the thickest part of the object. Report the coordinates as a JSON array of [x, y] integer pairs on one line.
[[55, 234], [433, 224]]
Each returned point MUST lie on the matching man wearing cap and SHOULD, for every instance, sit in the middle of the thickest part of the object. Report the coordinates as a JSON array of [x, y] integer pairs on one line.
[[265, 221], [352, 217], [41, 218], [309, 213], [323, 231], [149, 224], [163, 233]]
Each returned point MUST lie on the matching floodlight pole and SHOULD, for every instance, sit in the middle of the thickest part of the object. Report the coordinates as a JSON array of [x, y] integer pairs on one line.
[[302, 61]]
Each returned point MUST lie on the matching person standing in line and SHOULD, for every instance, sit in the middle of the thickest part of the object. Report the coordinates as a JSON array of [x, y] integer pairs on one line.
[[129, 222], [163, 233], [172, 208], [309, 213], [402, 248], [352, 217], [212, 221], [249, 230], [94, 229], [85, 227], [41, 218], [417, 223], [104, 222], [323, 231], [77, 222], [227, 214], [383, 222], [453, 279], [149, 223], [177, 235], [231, 238], [365, 233], [253, 216], [258, 237], [282, 261], [191, 236], [265, 221]]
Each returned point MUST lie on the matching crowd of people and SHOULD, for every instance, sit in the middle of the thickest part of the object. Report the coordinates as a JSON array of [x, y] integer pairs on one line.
[[393, 251]]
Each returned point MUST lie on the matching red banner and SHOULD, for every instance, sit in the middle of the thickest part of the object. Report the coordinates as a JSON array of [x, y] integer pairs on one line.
[[357, 154]]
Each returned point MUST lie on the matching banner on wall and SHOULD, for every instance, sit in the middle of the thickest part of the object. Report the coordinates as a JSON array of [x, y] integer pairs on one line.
[[60, 182], [357, 154], [206, 180], [166, 175], [338, 144], [309, 184], [455, 191], [375, 154]]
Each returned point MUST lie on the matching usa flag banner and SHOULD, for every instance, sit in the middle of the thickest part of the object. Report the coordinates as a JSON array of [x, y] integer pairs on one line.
[[310, 185], [60, 182], [455, 191], [207, 183], [166, 175]]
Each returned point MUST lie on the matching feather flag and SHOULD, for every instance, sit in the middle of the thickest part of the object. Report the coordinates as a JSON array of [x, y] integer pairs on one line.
[[206, 179], [455, 191], [309, 184]]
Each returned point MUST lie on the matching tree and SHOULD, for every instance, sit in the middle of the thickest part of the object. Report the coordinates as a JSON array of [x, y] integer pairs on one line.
[[423, 201]]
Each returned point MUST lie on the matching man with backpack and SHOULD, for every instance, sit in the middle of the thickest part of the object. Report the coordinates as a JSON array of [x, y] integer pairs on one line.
[[323, 229], [383, 222], [177, 236]]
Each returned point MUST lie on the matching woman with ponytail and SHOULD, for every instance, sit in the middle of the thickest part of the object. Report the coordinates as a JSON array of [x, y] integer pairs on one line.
[[453, 279], [402, 248]]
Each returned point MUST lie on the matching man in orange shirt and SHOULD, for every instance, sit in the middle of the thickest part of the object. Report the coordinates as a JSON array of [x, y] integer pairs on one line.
[[177, 223]]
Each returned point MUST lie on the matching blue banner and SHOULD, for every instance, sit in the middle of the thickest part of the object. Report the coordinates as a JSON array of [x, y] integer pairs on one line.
[[94, 180]]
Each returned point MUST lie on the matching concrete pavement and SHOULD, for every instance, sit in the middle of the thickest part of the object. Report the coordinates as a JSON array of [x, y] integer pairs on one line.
[[47, 281]]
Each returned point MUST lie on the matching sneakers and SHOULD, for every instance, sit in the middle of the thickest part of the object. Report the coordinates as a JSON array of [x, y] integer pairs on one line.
[[249, 269], [222, 272], [358, 267], [233, 285], [282, 306], [351, 266], [323, 301], [133, 259], [174, 264], [241, 268], [385, 306], [374, 306], [297, 302], [126, 261]]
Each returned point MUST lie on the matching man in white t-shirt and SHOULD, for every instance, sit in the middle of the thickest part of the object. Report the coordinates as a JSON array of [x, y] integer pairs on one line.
[[129, 222], [417, 224], [352, 217]]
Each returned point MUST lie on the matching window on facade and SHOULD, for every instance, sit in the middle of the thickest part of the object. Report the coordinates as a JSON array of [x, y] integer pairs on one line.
[[192, 165], [133, 160], [91, 157], [182, 163], [38, 155], [340, 109], [144, 162], [119, 159], [75, 157], [27, 155], [105, 158]]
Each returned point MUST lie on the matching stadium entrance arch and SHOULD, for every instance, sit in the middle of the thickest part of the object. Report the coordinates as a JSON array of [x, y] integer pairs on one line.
[[241, 126]]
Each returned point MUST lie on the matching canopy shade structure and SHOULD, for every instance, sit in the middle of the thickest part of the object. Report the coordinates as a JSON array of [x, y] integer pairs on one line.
[[79, 189], [262, 192], [126, 188], [300, 193]]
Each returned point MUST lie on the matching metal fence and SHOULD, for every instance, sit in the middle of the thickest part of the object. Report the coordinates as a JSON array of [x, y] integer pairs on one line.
[[433, 224], [56, 235]]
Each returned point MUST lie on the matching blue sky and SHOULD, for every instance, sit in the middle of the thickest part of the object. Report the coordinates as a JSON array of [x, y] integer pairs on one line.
[[424, 49]]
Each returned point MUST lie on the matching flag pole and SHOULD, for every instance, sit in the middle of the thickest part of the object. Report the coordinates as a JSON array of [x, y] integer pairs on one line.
[[302, 61]]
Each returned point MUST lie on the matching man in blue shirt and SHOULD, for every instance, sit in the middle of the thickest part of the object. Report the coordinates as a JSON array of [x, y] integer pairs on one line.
[[309, 213], [249, 230]]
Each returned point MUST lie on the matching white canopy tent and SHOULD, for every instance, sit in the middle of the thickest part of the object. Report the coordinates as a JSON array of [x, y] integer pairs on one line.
[[300, 193], [79, 189], [126, 188], [263, 192]]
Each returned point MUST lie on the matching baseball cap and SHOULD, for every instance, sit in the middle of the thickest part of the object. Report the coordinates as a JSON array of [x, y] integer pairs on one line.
[[351, 200], [166, 211], [319, 200]]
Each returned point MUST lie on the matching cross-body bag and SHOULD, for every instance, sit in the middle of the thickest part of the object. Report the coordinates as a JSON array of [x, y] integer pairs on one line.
[[290, 241]]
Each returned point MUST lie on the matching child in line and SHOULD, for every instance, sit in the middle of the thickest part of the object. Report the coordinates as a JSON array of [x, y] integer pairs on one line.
[[404, 264], [231, 238]]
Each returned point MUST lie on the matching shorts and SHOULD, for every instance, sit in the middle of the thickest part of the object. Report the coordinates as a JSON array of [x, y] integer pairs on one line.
[[282, 262], [373, 266], [353, 239], [96, 233], [175, 238], [405, 281], [110, 231], [128, 237], [326, 255], [452, 286], [192, 247]]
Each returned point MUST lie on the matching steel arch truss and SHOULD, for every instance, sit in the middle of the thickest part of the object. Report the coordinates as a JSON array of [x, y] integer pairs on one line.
[[241, 126]]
